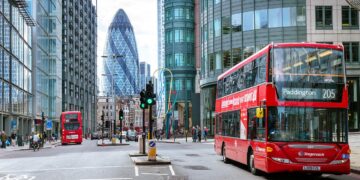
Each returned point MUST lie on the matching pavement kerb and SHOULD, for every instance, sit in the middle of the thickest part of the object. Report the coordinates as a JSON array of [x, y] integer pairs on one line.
[[170, 142], [355, 170], [117, 144]]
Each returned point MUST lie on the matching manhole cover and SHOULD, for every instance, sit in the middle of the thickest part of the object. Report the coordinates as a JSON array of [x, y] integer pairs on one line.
[[191, 154], [196, 167]]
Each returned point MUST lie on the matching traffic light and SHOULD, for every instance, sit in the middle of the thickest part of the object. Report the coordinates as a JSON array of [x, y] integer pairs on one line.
[[143, 104], [121, 114], [150, 96]]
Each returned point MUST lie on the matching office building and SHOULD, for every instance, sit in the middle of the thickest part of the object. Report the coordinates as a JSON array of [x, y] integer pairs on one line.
[[16, 68], [79, 46], [120, 62]]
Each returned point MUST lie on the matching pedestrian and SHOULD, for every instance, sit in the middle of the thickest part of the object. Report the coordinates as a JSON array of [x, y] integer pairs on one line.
[[3, 139], [205, 133], [199, 134], [13, 139], [193, 133]]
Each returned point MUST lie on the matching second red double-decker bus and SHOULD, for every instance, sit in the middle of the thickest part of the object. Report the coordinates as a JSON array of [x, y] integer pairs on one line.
[[71, 127], [284, 109]]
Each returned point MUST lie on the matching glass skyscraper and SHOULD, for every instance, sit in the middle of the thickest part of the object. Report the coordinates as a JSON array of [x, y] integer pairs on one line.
[[16, 69], [79, 46], [47, 48], [120, 63]]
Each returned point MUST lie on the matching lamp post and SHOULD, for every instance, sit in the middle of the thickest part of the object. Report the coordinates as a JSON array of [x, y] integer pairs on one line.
[[114, 56]]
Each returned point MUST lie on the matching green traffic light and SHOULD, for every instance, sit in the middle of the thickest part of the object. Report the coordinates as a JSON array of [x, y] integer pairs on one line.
[[142, 105], [149, 101]]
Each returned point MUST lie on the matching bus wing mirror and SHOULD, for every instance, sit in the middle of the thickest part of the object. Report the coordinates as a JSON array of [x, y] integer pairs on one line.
[[259, 112]]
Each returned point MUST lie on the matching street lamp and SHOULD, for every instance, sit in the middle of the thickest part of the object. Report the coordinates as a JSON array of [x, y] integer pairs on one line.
[[113, 57]]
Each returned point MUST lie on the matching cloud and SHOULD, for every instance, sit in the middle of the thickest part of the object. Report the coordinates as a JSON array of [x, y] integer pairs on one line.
[[143, 17]]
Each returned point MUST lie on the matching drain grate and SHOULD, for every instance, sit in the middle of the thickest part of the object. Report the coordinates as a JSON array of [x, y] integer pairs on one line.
[[197, 167]]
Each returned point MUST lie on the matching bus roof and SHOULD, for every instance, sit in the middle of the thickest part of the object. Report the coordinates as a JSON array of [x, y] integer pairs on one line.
[[70, 112], [279, 45]]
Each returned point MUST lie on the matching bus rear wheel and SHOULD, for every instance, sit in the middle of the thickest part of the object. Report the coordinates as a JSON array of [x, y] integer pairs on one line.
[[225, 159], [251, 164]]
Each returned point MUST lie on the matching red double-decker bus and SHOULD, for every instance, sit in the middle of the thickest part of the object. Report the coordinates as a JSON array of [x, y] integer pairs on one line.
[[71, 127], [284, 109]]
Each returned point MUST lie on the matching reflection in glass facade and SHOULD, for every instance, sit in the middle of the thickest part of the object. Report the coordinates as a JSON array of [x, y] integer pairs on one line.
[[226, 42], [121, 62], [48, 60], [15, 70], [79, 46]]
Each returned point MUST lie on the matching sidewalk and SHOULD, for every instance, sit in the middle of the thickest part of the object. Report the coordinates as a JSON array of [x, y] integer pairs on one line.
[[354, 142], [26, 146]]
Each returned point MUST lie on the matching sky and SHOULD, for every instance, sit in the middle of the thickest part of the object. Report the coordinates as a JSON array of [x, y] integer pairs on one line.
[[143, 17]]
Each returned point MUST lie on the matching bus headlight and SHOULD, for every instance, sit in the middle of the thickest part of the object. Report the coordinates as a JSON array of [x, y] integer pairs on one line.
[[338, 161], [282, 160]]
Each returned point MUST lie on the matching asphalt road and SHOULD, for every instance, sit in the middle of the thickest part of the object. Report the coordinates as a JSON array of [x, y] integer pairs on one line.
[[90, 162]]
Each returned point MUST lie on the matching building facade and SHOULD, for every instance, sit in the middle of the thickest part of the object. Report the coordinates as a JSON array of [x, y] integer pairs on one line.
[[120, 63], [179, 57], [79, 46], [233, 30], [16, 69], [47, 57], [160, 88], [145, 76]]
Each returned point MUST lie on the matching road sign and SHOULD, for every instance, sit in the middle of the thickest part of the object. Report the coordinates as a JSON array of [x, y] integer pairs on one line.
[[49, 124], [152, 144], [152, 150]]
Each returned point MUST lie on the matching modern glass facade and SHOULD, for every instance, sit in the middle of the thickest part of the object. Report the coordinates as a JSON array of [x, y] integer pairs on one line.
[[121, 62], [16, 71], [47, 48], [179, 28], [79, 46], [233, 30], [144, 75]]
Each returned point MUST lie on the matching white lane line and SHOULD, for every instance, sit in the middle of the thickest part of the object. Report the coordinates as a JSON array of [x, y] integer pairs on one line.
[[107, 179], [136, 171], [74, 168], [157, 174], [172, 170]]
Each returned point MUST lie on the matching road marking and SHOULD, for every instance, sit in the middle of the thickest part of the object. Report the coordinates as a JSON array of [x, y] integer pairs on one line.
[[172, 170], [107, 179], [16, 177], [157, 174], [136, 171], [74, 168]]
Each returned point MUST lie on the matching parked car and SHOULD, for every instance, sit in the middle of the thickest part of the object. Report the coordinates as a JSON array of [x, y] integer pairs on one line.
[[131, 136], [95, 135]]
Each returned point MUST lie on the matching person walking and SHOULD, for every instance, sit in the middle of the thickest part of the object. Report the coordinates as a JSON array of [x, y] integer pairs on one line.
[[3, 139], [199, 134], [13, 139], [205, 133]]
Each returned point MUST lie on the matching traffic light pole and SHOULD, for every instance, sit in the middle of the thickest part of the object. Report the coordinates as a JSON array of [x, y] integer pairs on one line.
[[143, 134], [150, 122]]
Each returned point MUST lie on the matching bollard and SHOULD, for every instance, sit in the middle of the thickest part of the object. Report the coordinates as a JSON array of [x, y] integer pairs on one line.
[[152, 150]]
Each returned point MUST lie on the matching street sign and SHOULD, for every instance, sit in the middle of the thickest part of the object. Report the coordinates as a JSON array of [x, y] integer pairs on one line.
[[152, 144], [49, 124], [13, 124]]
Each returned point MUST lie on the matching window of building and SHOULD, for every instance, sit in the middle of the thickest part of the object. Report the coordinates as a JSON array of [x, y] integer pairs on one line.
[[261, 19], [301, 16], [179, 35], [179, 59], [236, 22], [217, 27], [350, 18], [351, 51], [189, 84], [226, 59], [211, 62], [275, 19], [323, 17], [226, 25], [248, 21], [289, 16], [236, 55], [211, 29], [218, 61]]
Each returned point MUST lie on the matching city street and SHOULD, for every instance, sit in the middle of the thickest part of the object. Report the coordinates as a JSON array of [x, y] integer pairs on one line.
[[88, 161]]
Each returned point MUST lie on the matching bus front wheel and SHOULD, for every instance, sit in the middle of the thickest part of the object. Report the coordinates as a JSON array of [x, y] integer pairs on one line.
[[251, 163], [225, 159]]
